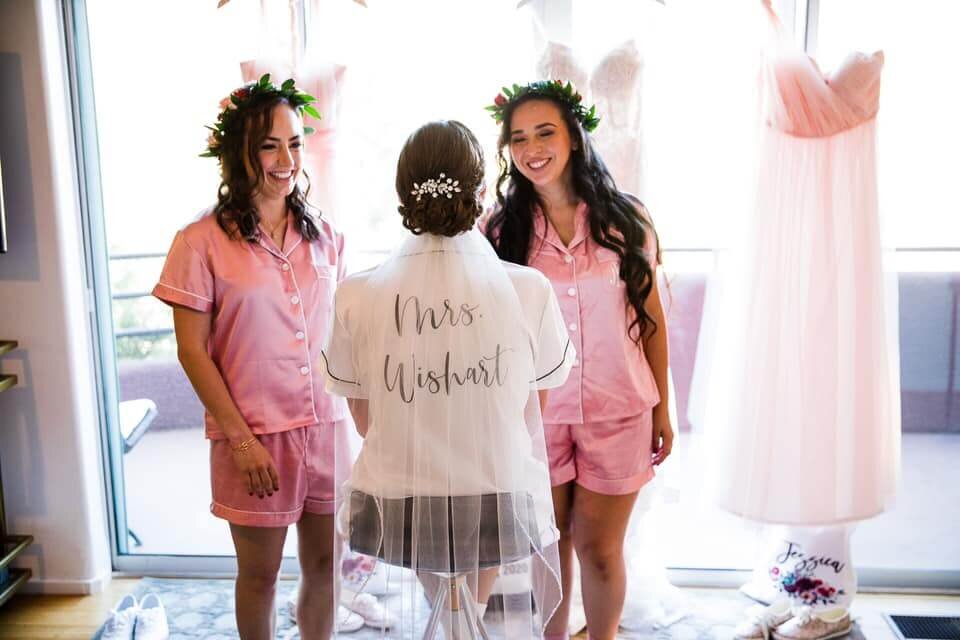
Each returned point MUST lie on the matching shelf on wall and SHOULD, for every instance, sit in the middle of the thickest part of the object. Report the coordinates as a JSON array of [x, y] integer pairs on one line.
[[7, 381], [15, 580], [11, 546]]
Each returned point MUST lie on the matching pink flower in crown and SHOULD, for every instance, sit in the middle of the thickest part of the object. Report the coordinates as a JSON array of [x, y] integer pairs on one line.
[[226, 103], [500, 100], [212, 139], [242, 93]]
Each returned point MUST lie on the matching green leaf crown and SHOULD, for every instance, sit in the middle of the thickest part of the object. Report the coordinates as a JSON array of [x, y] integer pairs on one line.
[[229, 121], [563, 92]]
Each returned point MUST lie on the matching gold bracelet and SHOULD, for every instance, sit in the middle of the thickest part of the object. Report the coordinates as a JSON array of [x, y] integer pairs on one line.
[[246, 444]]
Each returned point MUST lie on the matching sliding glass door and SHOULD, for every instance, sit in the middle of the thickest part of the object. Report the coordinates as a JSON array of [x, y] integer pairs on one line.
[[149, 75]]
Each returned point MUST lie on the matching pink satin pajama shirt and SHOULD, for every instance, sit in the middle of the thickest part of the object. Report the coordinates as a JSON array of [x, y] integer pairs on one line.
[[611, 378], [270, 311], [599, 424]]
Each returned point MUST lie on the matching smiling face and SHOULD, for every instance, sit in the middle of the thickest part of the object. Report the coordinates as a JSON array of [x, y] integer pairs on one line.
[[280, 153], [540, 143]]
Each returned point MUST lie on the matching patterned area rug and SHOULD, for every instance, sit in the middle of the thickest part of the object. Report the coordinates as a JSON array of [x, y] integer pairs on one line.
[[203, 609]]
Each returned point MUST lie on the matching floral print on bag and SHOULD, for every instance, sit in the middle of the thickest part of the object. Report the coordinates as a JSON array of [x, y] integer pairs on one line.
[[805, 588]]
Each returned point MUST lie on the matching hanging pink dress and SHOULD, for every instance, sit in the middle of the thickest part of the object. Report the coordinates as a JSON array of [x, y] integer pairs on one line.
[[812, 426]]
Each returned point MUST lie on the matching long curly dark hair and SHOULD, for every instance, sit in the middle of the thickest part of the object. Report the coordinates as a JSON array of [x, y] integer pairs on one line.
[[235, 210], [618, 221]]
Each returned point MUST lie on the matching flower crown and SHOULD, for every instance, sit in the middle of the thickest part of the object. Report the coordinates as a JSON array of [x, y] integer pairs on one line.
[[556, 89], [228, 122]]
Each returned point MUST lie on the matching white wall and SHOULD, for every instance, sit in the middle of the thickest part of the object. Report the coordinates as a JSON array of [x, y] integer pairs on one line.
[[49, 434]]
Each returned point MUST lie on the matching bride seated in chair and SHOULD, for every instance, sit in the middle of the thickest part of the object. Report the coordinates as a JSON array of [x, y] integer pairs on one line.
[[445, 370]]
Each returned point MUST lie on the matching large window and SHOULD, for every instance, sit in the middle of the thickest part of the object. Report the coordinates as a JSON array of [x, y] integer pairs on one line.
[[159, 69], [158, 73], [918, 130], [916, 161]]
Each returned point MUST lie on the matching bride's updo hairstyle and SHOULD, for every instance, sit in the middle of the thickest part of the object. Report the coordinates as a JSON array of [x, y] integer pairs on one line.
[[439, 179]]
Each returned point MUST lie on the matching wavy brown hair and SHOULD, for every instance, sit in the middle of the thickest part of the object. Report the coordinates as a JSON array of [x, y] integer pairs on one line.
[[450, 148], [618, 221], [241, 175]]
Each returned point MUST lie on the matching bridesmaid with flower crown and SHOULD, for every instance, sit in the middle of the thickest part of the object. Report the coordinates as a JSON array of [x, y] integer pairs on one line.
[[251, 284], [559, 211]]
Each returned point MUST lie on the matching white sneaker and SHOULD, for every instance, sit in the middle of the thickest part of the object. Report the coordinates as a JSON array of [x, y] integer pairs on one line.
[[807, 625], [347, 621], [368, 607], [122, 619], [761, 621], [152, 619]]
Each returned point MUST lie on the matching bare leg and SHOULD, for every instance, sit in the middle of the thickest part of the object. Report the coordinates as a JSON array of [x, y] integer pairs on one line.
[[599, 531], [315, 606], [259, 552], [563, 497], [485, 580]]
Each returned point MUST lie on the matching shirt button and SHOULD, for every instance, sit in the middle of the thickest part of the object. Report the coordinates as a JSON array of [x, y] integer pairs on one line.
[[568, 259], [571, 291], [300, 335], [304, 370], [572, 326], [285, 267], [295, 299]]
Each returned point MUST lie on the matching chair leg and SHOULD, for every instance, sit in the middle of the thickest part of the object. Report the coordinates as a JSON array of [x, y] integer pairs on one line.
[[455, 585], [477, 629], [439, 602]]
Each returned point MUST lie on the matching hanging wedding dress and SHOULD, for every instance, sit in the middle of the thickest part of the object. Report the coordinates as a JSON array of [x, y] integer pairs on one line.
[[615, 87]]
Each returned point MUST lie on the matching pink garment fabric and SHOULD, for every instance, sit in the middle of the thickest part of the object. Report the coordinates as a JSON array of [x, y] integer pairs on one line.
[[611, 457], [812, 419], [801, 101], [611, 377], [308, 475], [324, 81], [270, 312]]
